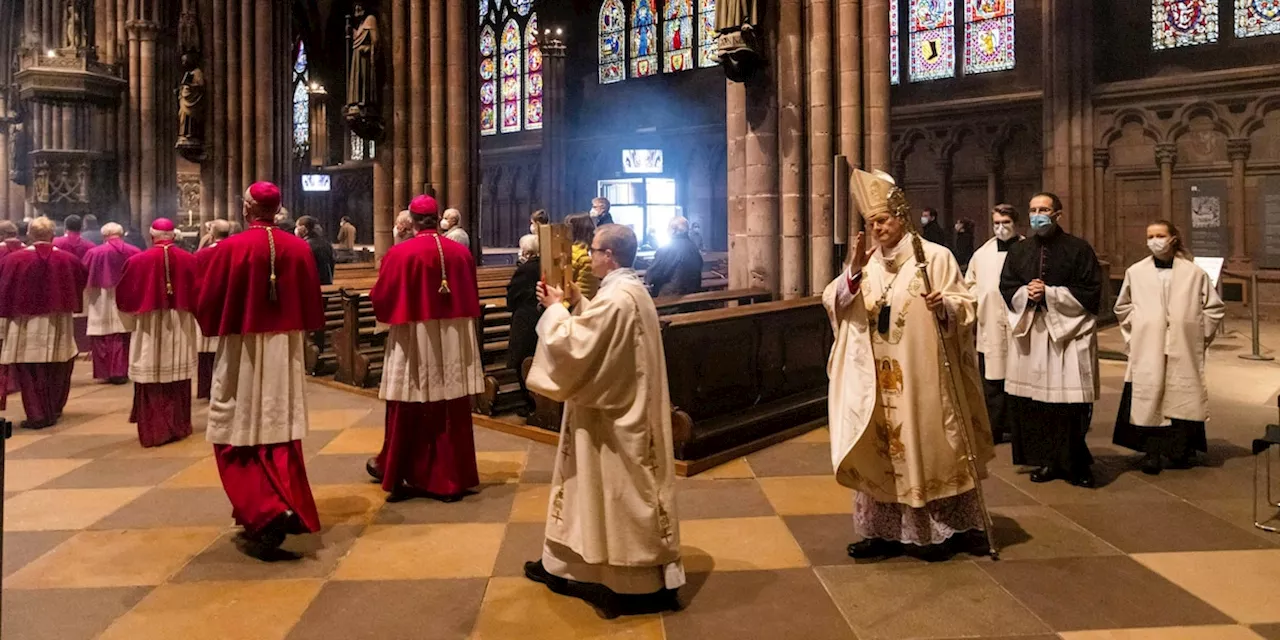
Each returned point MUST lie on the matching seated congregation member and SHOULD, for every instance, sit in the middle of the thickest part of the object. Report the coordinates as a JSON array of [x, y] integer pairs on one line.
[[581, 230], [983, 281], [538, 217], [1169, 311], [260, 296], [426, 291], [108, 333], [522, 302], [612, 532], [677, 267], [41, 287], [158, 293], [321, 251]]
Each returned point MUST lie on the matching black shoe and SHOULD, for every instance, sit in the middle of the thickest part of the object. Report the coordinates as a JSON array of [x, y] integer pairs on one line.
[[934, 552], [119, 380], [1043, 474], [1182, 462], [1084, 479], [401, 493], [36, 425], [1151, 464], [875, 548], [534, 571], [265, 543], [974, 543], [371, 467], [525, 412]]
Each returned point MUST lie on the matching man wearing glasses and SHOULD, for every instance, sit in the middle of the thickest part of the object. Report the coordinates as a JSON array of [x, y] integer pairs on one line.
[[1053, 285]]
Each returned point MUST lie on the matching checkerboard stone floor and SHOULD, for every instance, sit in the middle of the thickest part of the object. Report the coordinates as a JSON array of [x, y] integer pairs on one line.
[[104, 539]]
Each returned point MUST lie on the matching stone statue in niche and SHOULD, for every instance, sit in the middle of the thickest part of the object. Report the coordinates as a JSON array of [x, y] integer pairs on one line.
[[76, 35], [191, 109], [737, 44], [363, 112], [19, 154]]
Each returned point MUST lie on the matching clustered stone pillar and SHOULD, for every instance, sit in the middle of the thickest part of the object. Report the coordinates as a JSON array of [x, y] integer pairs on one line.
[[1238, 150], [1166, 155], [554, 189], [820, 143], [1101, 158], [736, 165], [993, 180], [1067, 119], [791, 149]]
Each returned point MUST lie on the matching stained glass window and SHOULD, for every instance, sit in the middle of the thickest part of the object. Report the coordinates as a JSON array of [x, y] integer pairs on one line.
[[488, 82], [511, 66], [532, 75], [301, 102], [707, 34], [644, 39], [677, 36], [484, 10], [1183, 23], [1257, 18], [895, 64], [613, 29], [357, 147], [932, 39], [523, 6], [988, 35]]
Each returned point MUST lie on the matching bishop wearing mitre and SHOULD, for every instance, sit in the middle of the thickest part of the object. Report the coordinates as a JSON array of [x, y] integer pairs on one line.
[[900, 430], [612, 534], [260, 295], [108, 335], [157, 292]]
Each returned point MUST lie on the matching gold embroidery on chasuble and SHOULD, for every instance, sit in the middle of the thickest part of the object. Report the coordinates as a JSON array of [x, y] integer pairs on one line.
[[557, 504]]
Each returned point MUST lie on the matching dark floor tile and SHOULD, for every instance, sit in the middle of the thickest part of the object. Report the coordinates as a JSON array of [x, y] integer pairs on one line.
[[71, 446], [891, 601], [316, 440], [1152, 527], [792, 459], [338, 469], [492, 440], [539, 464], [206, 506], [489, 503], [756, 604], [307, 556], [522, 543], [1100, 593], [120, 472], [1114, 485], [1041, 532], [824, 539], [1239, 512], [65, 614], [698, 499], [21, 547], [1268, 631], [1204, 483], [436, 609], [999, 493]]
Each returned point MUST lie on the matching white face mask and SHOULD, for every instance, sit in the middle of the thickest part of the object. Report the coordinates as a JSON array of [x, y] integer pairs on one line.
[[1004, 230], [1158, 246], [533, 229], [924, 220]]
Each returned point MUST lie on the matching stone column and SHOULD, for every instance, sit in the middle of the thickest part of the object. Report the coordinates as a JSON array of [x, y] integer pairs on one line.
[[849, 64], [133, 154], [438, 163], [419, 119], [554, 197], [1166, 155], [947, 216], [5, 188], [761, 182], [248, 132], [875, 83], [458, 104], [736, 167], [821, 135], [1238, 150], [215, 55], [993, 165], [1066, 54], [792, 157], [399, 40], [1101, 158], [149, 170], [264, 55], [234, 175]]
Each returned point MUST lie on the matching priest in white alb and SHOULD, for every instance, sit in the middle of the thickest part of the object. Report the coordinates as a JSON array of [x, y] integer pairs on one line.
[[108, 335], [983, 280], [157, 293], [612, 533], [903, 425], [1169, 311]]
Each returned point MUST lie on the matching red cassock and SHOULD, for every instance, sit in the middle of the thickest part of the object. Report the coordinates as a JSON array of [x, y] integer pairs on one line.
[[428, 446], [8, 383], [41, 281], [262, 481], [204, 377], [162, 278], [74, 244], [110, 348]]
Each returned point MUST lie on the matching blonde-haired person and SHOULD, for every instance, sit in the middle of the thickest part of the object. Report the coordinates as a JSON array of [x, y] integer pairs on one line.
[[1168, 310]]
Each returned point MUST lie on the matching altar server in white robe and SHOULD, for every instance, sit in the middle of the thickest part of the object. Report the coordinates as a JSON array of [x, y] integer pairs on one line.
[[983, 280], [898, 434], [1052, 283], [612, 534], [1169, 311]]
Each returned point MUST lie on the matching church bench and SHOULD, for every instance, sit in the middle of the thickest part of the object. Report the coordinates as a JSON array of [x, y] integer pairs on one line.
[[358, 345]]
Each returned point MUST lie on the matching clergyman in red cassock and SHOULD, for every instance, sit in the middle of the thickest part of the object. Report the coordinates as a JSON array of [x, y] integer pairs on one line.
[[158, 293], [108, 335], [71, 242], [426, 291], [9, 242], [260, 295], [41, 287], [219, 230]]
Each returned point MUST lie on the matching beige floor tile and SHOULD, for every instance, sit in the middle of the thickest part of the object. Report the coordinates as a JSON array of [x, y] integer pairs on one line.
[[20, 440], [1241, 584], [1209, 632], [194, 446], [821, 435], [118, 558], [499, 467], [109, 424], [348, 503], [203, 473], [366, 441], [416, 552], [739, 544], [21, 475], [65, 509], [807, 495], [531, 503], [334, 419], [517, 609], [731, 470], [217, 611]]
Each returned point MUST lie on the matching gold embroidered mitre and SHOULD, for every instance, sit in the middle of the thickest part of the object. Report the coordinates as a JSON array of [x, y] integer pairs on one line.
[[876, 193]]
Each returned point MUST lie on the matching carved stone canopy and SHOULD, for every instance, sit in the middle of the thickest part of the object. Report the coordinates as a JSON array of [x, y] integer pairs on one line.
[[67, 77]]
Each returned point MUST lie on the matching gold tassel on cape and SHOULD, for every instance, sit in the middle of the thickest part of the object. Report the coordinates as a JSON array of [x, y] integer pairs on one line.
[[444, 278]]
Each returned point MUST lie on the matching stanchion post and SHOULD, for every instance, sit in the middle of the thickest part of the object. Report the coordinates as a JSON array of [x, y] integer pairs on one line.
[[1253, 316]]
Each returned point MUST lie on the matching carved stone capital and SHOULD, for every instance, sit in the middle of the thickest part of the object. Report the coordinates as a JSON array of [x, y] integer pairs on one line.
[[1239, 148], [143, 29], [1166, 153], [992, 161], [554, 48], [1101, 158]]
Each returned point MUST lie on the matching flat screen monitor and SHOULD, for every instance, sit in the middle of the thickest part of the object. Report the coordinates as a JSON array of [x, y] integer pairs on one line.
[[315, 182], [642, 160]]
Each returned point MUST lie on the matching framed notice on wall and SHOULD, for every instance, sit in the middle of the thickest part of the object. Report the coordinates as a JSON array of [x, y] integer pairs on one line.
[[1269, 203], [1208, 206]]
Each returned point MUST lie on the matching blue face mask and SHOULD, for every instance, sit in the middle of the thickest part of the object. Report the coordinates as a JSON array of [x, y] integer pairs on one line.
[[1041, 221]]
